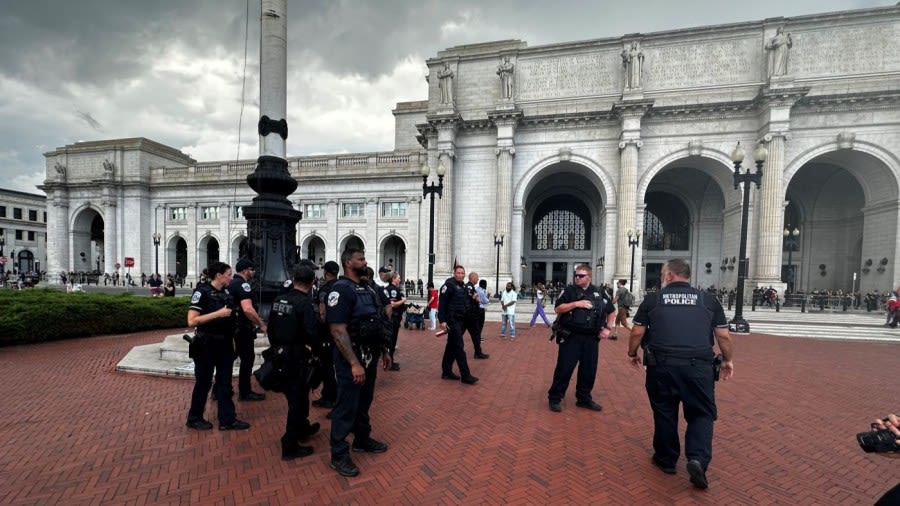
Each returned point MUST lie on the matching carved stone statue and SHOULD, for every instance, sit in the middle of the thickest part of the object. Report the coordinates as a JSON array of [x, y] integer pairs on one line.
[[779, 53], [633, 61], [60, 170], [505, 71], [445, 83]]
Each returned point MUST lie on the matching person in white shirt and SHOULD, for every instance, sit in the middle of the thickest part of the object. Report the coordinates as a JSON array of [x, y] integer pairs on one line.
[[508, 304]]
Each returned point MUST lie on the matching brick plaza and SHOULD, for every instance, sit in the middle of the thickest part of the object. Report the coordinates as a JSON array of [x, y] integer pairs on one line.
[[75, 431]]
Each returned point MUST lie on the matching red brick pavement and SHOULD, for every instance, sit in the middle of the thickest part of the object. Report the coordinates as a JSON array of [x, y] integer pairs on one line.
[[75, 431]]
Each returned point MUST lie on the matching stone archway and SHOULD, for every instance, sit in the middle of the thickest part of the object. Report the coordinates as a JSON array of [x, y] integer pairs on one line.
[[177, 257], [353, 241], [689, 212], [844, 204], [314, 249], [207, 251], [393, 254], [564, 225], [88, 241]]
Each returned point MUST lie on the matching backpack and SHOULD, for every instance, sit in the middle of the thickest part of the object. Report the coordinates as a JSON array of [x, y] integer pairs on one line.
[[627, 299]]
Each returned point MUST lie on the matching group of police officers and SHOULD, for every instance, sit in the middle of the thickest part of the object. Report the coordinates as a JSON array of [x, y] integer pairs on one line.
[[353, 323]]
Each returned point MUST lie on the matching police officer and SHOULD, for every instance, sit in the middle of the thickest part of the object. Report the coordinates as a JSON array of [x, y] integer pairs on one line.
[[397, 300], [245, 333], [353, 315], [211, 312], [452, 306], [586, 314], [293, 329], [324, 348], [474, 315], [675, 327]]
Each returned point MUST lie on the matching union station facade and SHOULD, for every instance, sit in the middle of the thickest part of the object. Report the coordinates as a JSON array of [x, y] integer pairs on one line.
[[561, 150]]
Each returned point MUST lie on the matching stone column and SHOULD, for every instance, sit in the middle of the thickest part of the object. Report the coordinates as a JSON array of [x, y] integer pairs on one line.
[[443, 217], [626, 205], [110, 238], [503, 205], [58, 246], [515, 239], [771, 214]]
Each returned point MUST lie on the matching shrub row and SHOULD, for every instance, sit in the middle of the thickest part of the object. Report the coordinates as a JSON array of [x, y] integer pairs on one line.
[[30, 316]]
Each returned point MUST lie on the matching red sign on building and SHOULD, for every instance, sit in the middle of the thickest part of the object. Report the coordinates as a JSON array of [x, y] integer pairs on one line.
[[129, 261]]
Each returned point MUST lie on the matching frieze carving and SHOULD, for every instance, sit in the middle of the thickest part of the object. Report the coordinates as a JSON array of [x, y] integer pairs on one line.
[[109, 167], [850, 50], [702, 64], [567, 76], [60, 170]]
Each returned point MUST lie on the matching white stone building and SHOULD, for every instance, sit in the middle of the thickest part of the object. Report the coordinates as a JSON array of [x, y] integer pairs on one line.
[[562, 150], [23, 231]]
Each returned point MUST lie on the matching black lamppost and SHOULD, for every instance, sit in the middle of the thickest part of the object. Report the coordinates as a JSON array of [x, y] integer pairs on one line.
[[738, 323], [156, 240], [431, 190], [634, 243], [498, 242], [790, 240]]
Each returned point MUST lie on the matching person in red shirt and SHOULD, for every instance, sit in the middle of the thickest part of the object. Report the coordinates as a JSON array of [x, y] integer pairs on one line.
[[432, 305]]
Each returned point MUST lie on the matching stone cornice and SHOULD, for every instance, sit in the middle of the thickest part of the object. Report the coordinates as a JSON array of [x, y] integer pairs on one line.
[[711, 110], [504, 115], [889, 99], [575, 119], [443, 119], [632, 108], [780, 97], [135, 143]]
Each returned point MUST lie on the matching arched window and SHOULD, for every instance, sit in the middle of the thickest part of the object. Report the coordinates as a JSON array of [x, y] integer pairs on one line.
[[561, 223], [666, 223]]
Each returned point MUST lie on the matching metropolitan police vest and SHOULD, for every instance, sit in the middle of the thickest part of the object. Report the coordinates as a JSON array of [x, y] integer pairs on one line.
[[680, 322]]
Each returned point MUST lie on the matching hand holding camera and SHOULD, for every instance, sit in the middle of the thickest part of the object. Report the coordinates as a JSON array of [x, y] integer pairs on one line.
[[883, 438]]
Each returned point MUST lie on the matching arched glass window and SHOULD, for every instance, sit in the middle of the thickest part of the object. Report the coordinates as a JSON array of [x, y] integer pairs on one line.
[[666, 223], [561, 223]]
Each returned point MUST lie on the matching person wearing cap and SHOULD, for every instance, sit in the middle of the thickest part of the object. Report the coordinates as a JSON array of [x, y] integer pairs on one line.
[[329, 385], [245, 333], [384, 277]]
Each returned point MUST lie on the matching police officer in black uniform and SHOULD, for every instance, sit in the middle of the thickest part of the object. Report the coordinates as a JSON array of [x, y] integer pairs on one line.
[[397, 300], [324, 347], [211, 312], [675, 328], [452, 307], [245, 334], [586, 313], [292, 330], [354, 316], [474, 315]]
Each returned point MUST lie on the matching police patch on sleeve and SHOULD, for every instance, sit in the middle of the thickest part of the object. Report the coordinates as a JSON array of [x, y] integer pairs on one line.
[[287, 283], [443, 288], [245, 287], [333, 299], [195, 298]]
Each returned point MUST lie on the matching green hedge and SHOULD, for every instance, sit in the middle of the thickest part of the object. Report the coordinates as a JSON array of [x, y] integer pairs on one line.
[[30, 316]]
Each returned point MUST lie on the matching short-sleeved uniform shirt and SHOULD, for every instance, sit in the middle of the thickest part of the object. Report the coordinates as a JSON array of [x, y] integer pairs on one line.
[[205, 300], [240, 290], [586, 320], [393, 294], [348, 300], [680, 321]]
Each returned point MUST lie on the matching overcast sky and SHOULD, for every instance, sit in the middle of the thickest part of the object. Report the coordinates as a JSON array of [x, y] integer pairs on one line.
[[172, 70]]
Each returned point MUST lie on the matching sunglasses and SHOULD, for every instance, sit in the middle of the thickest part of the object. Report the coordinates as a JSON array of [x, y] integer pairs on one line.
[[579, 276]]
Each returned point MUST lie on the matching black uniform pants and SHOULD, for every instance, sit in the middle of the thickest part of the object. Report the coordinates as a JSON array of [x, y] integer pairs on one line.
[[580, 350], [329, 384], [474, 323], [243, 342], [395, 332], [297, 395], [351, 411], [455, 351], [215, 355], [693, 386]]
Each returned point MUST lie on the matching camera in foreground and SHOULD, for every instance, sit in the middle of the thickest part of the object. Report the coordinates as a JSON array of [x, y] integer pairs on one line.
[[878, 441]]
